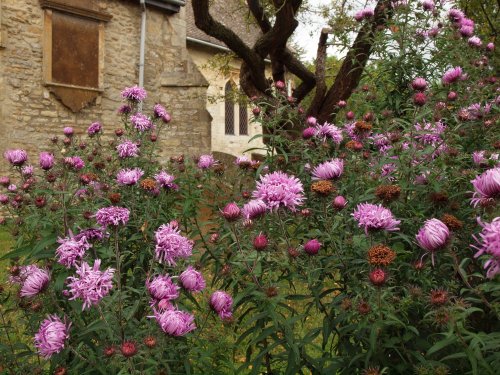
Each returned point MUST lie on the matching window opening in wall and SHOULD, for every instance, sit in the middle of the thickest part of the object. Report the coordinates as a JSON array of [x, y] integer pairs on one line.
[[229, 109], [243, 118]]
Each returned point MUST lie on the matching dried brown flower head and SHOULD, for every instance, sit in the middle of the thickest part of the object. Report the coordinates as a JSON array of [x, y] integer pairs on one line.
[[362, 126], [346, 304], [371, 371], [452, 222], [323, 187], [388, 193], [439, 197], [364, 308], [439, 297], [148, 184], [114, 197], [381, 255]]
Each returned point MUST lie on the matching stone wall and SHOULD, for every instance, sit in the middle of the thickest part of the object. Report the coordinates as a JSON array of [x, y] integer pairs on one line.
[[29, 113]]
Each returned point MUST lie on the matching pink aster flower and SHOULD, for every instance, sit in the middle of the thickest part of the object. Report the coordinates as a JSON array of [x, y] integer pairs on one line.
[[74, 162], [127, 149], [94, 128], [171, 245], [373, 217], [328, 170], [308, 132], [34, 280], [27, 170], [71, 250], [206, 161], [486, 187], [129, 176], [68, 131], [433, 236], [174, 322], [51, 336], [329, 131], [254, 209], [455, 15], [466, 31], [489, 243], [490, 46], [160, 112], [16, 157], [452, 75], [91, 285], [430, 134], [278, 189], [475, 41], [192, 280], [165, 180], [46, 160], [419, 84], [112, 216], [162, 287], [478, 157], [243, 161], [91, 234], [141, 122], [222, 304], [135, 93], [428, 5]]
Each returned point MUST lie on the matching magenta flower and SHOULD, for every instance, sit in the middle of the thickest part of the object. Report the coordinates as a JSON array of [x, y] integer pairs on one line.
[[433, 236], [162, 287], [4, 181], [309, 132], [206, 161], [4, 199], [478, 157], [141, 122], [430, 134], [466, 31], [175, 322], [16, 157], [328, 170], [192, 280], [34, 280], [129, 176], [112, 216], [329, 131], [51, 336], [171, 245], [165, 180], [312, 247], [419, 84], [74, 162], [71, 250], [489, 243], [127, 149], [68, 131], [254, 209], [455, 15], [231, 212], [452, 75], [428, 5], [474, 41], [311, 121], [27, 170], [46, 160], [160, 112], [278, 189], [243, 161], [135, 93], [486, 187], [222, 304], [373, 217], [490, 46], [92, 285], [91, 234], [94, 128], [339, 202]]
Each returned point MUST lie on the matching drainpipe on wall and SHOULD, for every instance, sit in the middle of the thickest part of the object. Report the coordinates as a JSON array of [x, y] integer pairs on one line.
[[143, 44]]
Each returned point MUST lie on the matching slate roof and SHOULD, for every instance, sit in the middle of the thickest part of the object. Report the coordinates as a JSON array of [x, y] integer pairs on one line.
[[230, 13]]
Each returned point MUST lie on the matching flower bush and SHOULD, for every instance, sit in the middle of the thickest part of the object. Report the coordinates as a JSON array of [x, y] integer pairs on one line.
[[370, 246]]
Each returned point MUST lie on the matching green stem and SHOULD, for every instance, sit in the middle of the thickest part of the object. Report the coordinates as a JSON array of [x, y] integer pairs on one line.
[[119, 284]]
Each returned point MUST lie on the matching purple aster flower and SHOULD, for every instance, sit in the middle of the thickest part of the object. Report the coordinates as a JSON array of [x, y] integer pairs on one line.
[[127, 149], [475, 41], [51, 336], [34, 281], [311, 121], [490, 46], [124, 109], [466, 31], [428, 5], [71, 250], [231, 211], [328, 170], [478, 157], [243, 161], [452, 75], [192, 280], [12, 188], [174, 322], [91, 285], [162, 287], [206, 161], [4, 181], [74, 162], [222, 304], [278, 189], [430, 134], [372, 217], [486, 187], [489, 243], [129, 176], [27, 170], [16, 157], [4, 199], [91, 234], [358, 16], [112, 216], [455, 15], [160, 112], [141, 122], [329, 131], [46, 160], [94, 128], [433, 236], [387, 170], [419, 84], [312, 247], [68, 131], [135, 93], [309, 132], [368, 12], [171, 245], [254, 209], [164, 179]]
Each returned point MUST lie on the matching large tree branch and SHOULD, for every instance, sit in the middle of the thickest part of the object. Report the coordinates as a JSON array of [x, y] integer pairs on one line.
[[254, 62], [354, 63], [320, 70]]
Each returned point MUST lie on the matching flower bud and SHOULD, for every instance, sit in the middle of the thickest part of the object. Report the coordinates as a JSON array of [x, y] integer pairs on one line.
[[129, 349], [452, 96], [231, 212], [378, 277], [260, 242], [350, 115], [312, 247], [339, 202], [420, 99]]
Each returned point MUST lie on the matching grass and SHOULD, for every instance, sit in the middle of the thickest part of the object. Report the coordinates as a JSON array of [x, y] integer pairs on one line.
[[6, 242]]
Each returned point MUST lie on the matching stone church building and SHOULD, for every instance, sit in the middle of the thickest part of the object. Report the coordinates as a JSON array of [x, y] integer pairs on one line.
[[65, 62]]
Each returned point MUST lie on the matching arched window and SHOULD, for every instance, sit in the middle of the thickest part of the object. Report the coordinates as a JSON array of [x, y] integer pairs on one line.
[[229, 109], [243, 118]]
